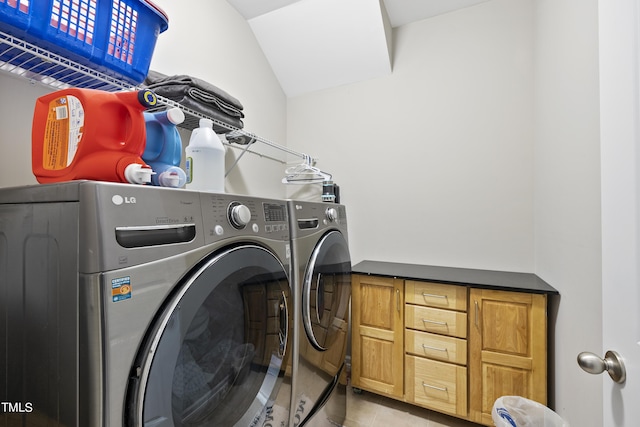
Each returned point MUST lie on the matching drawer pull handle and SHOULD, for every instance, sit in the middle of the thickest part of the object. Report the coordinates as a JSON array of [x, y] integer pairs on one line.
[[434, 322], [477, 311], [434, 387], [426, 295], [428, 347]]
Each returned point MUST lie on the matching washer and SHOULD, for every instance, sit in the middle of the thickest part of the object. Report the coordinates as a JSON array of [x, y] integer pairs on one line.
[[126, 305], [321, 283]]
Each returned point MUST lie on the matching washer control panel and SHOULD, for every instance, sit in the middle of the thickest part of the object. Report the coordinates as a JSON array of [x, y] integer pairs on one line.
[[227, 215], [239, 215]]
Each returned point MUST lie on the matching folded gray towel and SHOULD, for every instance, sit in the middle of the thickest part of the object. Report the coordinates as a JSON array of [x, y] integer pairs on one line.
[[191, 122], [214, 100], [200, 96]]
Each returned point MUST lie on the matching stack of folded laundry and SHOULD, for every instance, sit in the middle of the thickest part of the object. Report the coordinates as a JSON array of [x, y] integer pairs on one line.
[[199, 96]]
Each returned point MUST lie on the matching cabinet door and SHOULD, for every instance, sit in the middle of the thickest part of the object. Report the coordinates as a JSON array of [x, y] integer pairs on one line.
[[507, 349], [377, 345]]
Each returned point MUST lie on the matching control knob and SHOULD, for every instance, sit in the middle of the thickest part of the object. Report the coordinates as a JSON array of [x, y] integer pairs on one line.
[[332, 214], [239, 215]]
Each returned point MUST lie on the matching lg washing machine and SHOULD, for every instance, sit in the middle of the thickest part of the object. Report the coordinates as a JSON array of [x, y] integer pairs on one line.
[[138, 306], [321, 284]]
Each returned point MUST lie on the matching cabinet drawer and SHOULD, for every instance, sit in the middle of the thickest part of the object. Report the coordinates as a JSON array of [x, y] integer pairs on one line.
[[451, 297], [447, 349], [436, 385], [445, 322]]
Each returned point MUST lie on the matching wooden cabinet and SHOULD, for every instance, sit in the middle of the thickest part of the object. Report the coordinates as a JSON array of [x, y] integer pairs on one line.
[[436, 346], [377, 353], [508, 349], [450, 348]]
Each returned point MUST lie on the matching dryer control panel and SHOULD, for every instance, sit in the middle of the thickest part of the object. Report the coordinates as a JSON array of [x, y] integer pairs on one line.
[[312, 217]]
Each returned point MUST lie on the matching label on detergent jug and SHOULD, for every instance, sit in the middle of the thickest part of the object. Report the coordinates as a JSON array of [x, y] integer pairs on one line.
[[189, 168], [63, 132]]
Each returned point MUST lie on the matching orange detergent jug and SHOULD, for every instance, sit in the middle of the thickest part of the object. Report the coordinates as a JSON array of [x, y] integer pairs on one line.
[[90, 134]]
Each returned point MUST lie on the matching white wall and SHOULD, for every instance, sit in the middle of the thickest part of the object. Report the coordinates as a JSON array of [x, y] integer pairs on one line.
[[206, 39], [435, 162], [567, 193], [481, 150], [18, 98]]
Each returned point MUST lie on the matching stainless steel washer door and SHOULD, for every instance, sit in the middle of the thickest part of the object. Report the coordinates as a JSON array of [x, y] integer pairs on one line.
[[326, 292], [217, 352]]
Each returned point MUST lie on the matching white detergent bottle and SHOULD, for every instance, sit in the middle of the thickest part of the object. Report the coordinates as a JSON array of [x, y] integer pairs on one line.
[[205, 159]]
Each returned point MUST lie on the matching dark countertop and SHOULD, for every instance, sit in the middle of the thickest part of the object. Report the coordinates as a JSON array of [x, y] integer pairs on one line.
[[487, 279]]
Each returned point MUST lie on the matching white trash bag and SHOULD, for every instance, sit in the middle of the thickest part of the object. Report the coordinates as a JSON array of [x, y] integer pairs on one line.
[[516, 411]]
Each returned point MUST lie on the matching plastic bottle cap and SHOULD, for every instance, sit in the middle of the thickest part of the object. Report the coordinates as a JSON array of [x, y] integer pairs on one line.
[[170, 180], [175, 115], [172, 177], [136, 173], [147, 98], [206, 123]]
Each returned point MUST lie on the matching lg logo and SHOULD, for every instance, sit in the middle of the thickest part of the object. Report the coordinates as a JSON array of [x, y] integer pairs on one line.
[[118, 200]]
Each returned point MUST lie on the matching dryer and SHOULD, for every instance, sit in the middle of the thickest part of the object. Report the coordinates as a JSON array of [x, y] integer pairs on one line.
[[138, 306], [321, 284]]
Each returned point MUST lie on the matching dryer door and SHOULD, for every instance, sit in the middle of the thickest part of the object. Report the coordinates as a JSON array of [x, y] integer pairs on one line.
[[216, 353], [325, 295]]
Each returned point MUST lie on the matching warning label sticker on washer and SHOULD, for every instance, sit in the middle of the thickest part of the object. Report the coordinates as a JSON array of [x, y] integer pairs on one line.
[[121, 288]]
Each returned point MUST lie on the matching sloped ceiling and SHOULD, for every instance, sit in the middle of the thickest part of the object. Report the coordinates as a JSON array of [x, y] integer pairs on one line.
[[319, 44]]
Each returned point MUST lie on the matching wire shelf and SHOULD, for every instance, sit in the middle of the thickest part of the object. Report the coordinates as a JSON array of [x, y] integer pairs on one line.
[[20, 58], [27, 60]]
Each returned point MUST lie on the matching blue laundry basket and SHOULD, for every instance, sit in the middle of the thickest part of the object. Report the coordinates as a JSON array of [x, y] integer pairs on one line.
[[114, 37]]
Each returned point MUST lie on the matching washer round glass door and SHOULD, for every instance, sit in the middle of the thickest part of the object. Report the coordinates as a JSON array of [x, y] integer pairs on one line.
[[216, 353], [326, 293]]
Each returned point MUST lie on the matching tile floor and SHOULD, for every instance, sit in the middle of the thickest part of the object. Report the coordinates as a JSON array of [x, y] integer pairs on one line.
[[370, 410]]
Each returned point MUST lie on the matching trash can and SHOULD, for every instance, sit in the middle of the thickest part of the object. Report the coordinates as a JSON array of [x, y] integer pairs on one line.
[[516, 411]]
